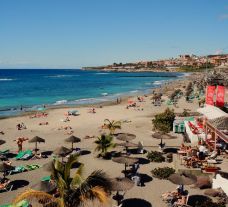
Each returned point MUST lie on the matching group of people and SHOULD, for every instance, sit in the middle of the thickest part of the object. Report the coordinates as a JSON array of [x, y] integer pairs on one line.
[[177, 197], [39, 115], [21, 126]]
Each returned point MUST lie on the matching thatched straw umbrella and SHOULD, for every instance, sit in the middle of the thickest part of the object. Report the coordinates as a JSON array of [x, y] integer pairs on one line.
[[182, 179], [125, 137], [49, 166], [220, 123], [73, 139], [44, 186], [121, 184], [158, 135], [125, 160], [61, 151], [127, 144], [35, 140], [5, 168]]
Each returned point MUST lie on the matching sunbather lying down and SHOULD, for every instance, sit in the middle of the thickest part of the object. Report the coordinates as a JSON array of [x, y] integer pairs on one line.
[[4, 184], [167, 195], [69, 132], [89, 137], [43, 123]]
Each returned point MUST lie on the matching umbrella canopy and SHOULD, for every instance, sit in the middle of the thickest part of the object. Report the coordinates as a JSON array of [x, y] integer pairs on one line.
[[2, 141], [73, 139], [158, 135], [125, 137], [44, 186], [127, 144], [125, 160], [36, 139], [182, 179], [220, 123], [61, 151], [121, 184], [49, 166]]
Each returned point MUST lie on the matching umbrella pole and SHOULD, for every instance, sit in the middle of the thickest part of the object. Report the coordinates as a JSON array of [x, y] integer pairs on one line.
[[125, 169], [35, 147], [72, 146]]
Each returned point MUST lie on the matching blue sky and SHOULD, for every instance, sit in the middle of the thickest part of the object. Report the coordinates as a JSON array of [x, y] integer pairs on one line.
[[75, 33]]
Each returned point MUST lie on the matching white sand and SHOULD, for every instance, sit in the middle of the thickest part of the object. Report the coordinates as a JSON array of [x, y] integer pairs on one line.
[[88, 124]]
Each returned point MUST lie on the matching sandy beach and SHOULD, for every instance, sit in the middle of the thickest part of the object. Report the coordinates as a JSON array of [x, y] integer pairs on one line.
[[134, 120]]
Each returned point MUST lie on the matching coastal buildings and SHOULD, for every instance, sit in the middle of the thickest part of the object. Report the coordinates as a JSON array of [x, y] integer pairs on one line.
[[184, 61]]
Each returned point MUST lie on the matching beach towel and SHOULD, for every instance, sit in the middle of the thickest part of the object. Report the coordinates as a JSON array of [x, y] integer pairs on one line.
[[32, 167]]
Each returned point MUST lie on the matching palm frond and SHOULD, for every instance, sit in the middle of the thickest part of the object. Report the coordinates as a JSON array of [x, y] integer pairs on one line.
[[36, 196], [100, 194], [71, 160]]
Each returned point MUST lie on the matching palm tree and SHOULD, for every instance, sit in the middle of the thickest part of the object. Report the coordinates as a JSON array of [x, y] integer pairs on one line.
[[104, 143], [112, 125], [73, 191]]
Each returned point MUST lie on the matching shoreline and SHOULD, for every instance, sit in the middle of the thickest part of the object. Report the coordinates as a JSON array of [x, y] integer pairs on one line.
[[124, 97]]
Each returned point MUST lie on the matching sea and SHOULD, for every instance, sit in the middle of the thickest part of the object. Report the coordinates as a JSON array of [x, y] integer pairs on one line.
[[29, 89]]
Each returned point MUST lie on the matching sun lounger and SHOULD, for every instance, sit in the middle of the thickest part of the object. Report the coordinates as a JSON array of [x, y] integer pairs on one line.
[[28, 154], [24, 155], [20, 155], [46, 178], [18, 169], [4, 152]]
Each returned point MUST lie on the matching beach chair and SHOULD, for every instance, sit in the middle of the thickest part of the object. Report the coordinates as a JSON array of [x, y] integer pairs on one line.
[[46, 178], [20, 155], [27, 155], [4, 152], [18, 169], [140, 149]]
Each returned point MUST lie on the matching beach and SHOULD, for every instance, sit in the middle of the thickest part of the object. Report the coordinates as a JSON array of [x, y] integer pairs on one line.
[[134, 120]]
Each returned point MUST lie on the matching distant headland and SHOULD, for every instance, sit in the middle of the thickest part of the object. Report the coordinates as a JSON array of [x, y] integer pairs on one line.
[[183, 63]]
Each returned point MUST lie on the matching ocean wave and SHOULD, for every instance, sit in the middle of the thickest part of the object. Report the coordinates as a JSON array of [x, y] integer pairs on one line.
[[157, 82], [60, 102], [101, 73], [6, 79], [104, 94], [61, 76], [134, 91]]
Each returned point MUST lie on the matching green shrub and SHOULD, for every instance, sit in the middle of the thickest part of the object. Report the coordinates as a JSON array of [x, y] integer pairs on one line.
[[155, 156], [163, 172], [164, 121]]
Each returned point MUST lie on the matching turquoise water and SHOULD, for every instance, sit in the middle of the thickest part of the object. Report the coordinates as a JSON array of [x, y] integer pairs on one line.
[[32, 88]]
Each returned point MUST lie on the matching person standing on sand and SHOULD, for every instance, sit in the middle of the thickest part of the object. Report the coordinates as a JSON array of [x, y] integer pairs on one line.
[[20, 141]]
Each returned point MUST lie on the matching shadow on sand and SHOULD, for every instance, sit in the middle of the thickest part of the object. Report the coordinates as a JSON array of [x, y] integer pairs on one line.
[[195, 200], [47, 153], [85, 152], [19, 184], [170, 150], [135, 202]]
